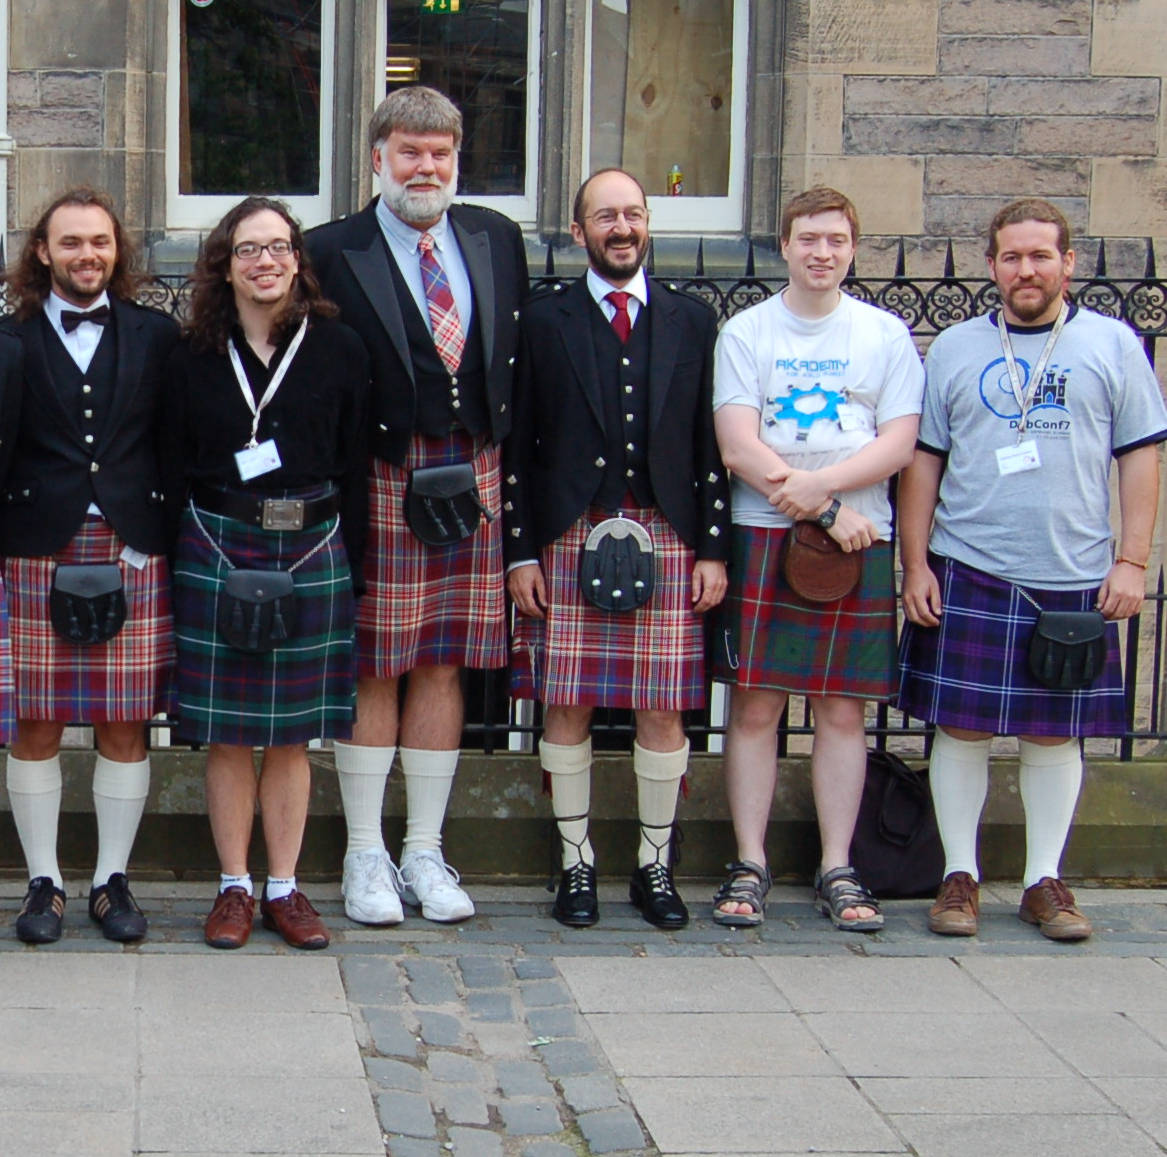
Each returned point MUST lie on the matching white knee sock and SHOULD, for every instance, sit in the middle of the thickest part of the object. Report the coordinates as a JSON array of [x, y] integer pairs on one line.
[[658, 779], [34, 787], [959, 774], [119, 798], [1051, 777], [429, 775], [361, 773], [570, 768]]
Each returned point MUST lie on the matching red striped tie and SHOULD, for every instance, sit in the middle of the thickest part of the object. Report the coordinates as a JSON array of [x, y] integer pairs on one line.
[[447, 328]]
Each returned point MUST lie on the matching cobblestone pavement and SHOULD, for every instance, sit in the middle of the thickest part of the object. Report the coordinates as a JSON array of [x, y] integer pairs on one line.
[[509, 1036]]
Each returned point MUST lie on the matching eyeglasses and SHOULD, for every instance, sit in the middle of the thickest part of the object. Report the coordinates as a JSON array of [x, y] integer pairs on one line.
[[250, 250], [605, 218]]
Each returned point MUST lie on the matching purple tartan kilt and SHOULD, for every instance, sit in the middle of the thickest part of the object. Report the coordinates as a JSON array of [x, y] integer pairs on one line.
[[972, 670], [651, 658], [429, 606], [774, 640], [7, 686], [303, 689], [126, 680]]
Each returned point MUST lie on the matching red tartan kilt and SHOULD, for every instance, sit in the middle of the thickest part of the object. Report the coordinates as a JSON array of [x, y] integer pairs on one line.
[[125, 680], [7, 689], [430, 606], [649, 659]]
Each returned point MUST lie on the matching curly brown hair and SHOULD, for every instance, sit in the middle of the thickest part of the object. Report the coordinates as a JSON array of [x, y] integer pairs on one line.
[[28, 284], [212, 305]]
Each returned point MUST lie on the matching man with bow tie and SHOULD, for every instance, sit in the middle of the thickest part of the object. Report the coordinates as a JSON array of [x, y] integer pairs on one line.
[[81, 533], [433, 289], [616, 508]]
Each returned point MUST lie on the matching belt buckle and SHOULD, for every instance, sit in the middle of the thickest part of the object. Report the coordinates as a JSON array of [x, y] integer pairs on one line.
[[283, 514]]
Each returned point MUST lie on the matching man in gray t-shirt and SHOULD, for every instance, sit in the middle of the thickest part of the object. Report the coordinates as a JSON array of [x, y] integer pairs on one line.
[[1004, 513]]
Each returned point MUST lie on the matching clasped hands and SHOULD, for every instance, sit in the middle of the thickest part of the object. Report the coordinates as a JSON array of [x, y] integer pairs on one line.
[[805, 494]]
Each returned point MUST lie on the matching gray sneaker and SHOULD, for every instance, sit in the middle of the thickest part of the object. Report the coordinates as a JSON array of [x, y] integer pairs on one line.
[[371, 888]]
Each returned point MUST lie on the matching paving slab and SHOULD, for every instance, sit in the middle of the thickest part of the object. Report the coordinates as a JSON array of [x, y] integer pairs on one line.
[[1101, 1044], [984, 1096], [1082, 983], [1142, 1099]]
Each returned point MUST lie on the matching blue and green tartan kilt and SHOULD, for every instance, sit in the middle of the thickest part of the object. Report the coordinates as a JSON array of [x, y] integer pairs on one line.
[[775, 640], [303, 689], [972, 671]]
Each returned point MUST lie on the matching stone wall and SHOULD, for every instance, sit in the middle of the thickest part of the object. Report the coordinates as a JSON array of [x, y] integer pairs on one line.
[[934, 112]]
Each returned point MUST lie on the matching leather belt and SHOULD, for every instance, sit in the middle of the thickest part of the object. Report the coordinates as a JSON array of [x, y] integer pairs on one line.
[[269, 513]]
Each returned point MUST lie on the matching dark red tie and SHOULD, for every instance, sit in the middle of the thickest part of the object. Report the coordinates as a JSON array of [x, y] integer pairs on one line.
[[621, 322]]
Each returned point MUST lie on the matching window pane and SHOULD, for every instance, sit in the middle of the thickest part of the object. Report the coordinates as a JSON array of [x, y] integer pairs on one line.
[[250, 117], [661, 75], [475, 51]]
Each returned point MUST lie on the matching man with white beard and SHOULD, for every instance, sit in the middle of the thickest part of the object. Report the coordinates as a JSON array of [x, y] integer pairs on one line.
[[433, 289]]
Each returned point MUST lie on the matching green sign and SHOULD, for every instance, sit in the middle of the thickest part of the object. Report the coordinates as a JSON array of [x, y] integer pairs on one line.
[[436, 6]]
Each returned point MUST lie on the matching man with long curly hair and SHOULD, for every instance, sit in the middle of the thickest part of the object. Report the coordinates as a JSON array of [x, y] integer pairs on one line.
[[81, 532]]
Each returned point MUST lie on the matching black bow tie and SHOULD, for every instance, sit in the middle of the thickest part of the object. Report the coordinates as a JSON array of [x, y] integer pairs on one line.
[[72, 318]]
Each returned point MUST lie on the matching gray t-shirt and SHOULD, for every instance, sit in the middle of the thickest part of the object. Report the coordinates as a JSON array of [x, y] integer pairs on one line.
[[821, 386], [1048, 526]]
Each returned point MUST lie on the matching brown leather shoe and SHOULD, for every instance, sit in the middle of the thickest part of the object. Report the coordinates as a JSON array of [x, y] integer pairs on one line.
[[295, 920], [229, 924], [958, 904], [1050, 905]]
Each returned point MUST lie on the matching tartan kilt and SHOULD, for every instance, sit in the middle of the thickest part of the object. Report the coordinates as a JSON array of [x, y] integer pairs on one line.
[[303, 689], [972, 671], [427, 606], [651, 658], [7, 685], [772, 639], [126, 680]]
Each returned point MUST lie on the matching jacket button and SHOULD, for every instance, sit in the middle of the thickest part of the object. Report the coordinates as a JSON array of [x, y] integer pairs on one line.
[[89, 439], [510, 361], [93, 468], [503, 408], [601, 462]]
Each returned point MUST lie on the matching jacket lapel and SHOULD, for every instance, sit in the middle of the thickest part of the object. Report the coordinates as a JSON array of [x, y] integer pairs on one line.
[[38, 374], [370, 267], [476, 254], [131, 357], [576, 333], [664, 336]]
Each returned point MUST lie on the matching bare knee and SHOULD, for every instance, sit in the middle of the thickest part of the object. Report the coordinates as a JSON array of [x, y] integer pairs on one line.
[[659, 730], [37, 738], [121, 742]]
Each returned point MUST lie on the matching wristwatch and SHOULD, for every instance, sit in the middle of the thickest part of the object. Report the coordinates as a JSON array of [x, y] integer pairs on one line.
[[827, 519]]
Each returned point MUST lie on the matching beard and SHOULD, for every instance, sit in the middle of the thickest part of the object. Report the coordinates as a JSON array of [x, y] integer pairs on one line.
[[415, 208], [73, 289], [1031, 308], [618, 266]]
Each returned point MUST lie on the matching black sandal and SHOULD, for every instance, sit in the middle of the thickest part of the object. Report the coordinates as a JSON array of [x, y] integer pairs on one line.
[[742, 888], [839, 889]]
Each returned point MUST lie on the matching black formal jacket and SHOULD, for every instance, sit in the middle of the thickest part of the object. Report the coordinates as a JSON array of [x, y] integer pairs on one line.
[[11, 391], [54, 474], [553, 460], [351, 259]]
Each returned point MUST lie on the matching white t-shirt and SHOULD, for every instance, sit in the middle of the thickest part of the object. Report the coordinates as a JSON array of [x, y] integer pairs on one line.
[[1048, 526], [822, 387]]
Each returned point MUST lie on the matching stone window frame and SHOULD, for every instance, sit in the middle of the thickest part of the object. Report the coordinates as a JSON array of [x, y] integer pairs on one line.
[[186, 211]]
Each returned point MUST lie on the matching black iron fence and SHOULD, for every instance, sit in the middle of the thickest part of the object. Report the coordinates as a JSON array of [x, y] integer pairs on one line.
[[927, 305]]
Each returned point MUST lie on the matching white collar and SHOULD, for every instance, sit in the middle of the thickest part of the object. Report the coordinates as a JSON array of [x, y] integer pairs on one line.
[[599, 288]]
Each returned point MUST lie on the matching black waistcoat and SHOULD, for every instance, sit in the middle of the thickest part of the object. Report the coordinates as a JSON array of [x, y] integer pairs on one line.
[[623, 373], [444, 400], [87, 397]]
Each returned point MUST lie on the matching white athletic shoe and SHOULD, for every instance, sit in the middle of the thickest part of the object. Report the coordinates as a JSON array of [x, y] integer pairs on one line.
[[371, 888], [427, 879]]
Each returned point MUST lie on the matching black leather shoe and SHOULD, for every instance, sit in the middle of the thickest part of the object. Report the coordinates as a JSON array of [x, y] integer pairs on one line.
[[652, 891], [113, 906], [576, 904], [41, 913]]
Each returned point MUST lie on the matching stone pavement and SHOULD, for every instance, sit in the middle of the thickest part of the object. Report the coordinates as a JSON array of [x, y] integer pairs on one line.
[[509, 1036]]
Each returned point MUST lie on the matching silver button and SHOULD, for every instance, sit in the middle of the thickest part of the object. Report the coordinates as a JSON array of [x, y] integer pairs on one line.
[[629, 417], [516, 531], [454, 392], [508, 506], [511, 480], [718, 505], [510, 361], [629, 472], [715, 531], [625, 362], [630, 446], [93, 468], [26, 492], [382, 425], [88, 413], [453, 379], [89, 438], [455, 405], [517, 312], [628, 389], [503, 408], [87, 389], [712, 476], [601, 462]]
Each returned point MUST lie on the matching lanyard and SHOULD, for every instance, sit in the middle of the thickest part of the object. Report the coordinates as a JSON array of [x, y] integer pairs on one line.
[[273, 385], [1025, 398]]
